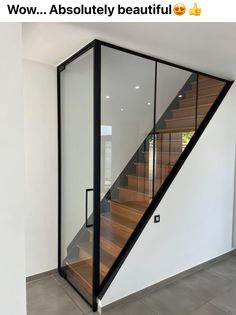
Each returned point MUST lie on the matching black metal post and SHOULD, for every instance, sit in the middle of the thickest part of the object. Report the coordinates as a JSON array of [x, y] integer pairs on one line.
[[96, 170], [59, 167]]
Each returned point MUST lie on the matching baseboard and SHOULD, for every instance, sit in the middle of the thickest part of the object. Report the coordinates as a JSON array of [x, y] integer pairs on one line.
[[41, 275], [167, 281]]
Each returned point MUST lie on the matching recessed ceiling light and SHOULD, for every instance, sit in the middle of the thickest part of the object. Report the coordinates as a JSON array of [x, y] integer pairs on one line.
[[149, 103], [180, 95], [107, 97], [122, 109], [137, 87]]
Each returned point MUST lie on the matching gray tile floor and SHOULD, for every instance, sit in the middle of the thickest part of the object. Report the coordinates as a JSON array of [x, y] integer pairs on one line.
[[211, 291]]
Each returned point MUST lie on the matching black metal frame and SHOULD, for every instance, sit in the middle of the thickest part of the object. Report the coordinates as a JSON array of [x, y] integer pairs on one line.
[[86, 208], [99, 290]]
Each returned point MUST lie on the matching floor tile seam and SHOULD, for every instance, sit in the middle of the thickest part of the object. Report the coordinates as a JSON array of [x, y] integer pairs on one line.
[[61, 285], [211, 301], [207, 302], [215, 273], [143, 302], [187, 313], [220, 309], [39, 279]]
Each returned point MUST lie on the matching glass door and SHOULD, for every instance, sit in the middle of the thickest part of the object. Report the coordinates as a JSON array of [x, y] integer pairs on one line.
[[76, 120]]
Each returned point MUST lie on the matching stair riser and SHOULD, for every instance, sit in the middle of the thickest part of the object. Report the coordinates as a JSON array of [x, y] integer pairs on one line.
[[207, 85], [201, 101], [142, 185], [174, 146], [81, 281], [129, 195], [116, 228], [142, 170], [77, 284], [110, 247], [126, 213], [183, 123], [83, 255], [186, 112], [163, 157], [202, 92]]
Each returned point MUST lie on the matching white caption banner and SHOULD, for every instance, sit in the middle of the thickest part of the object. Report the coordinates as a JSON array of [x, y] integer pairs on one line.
[[117, 11]]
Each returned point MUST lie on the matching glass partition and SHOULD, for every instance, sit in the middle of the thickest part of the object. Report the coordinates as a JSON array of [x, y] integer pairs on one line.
[[77, 172], [125, 121]]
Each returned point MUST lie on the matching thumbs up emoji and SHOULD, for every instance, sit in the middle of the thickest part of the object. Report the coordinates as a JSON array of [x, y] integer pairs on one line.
[[195, 10]]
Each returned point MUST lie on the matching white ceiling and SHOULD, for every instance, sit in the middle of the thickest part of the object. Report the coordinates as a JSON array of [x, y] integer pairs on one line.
[[207, 47]]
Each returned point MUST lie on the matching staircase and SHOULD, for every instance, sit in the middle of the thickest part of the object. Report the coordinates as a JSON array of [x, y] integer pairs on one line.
[[151, 164]]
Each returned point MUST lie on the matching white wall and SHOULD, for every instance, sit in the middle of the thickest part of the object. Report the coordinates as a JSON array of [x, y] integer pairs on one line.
[[12, 179], [234, 219], [40, 105], [196, 212]]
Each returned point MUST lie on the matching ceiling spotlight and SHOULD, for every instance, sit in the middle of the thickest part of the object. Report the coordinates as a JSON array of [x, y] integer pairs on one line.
[[180, 95], [107, 97], [149, 103], [122, 109], [137, 87]]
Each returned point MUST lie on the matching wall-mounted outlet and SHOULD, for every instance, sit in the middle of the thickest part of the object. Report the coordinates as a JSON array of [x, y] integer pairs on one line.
[[157, 218]]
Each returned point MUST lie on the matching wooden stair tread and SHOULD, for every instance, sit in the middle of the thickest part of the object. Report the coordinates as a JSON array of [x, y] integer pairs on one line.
[[203, 78], [131, 205], [169, 140], [191, 107], [106, 260], [119, 221], [189, 99], [176, 130], [163, 152], [184, 118], [210, 85], [158, 165], [109, 235], [133, 190], [83, 271]]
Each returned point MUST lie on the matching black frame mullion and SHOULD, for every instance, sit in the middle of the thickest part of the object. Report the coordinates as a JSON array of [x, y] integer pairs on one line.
[[96, 170]]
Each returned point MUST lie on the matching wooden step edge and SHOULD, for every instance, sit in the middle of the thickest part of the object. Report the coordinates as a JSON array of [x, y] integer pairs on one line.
[[135, 191], [157, 178], [213, 81], [202, 87], [79, 275], [189, 99], [107, 245], [184, 118], [119, 204], [167, 140], [177, 130], [147, 163], [89, 253], [163, 152], [116, 224], [191, 107]]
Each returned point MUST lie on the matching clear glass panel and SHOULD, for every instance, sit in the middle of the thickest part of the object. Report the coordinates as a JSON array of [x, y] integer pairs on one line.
[[183, 100], [175, 115], [208, 91], [127, 119], [77, 172]]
